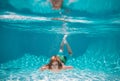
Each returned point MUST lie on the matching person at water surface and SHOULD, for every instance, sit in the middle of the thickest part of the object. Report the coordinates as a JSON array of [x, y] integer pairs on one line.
[[56, 4]]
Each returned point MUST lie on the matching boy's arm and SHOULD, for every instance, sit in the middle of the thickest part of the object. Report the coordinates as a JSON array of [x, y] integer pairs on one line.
[[67, 67], [43, 68]]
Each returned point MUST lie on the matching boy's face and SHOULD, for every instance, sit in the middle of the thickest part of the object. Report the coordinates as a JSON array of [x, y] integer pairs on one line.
[[54, 65]]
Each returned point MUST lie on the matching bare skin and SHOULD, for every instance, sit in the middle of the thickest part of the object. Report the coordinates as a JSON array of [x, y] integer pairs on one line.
[[56, 4], [64, 42], [55, 67], [56, 63]]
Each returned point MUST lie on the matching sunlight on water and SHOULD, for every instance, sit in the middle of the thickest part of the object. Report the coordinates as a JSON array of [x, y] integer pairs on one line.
[[81, 25], [100, 19], [27, 68], [44, 6], [13, 16], [74, 75]]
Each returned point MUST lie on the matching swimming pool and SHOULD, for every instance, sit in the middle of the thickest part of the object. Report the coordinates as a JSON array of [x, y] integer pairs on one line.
[[30, 34]]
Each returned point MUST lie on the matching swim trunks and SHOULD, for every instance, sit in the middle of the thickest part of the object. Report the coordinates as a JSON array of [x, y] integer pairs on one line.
[[62, 57]]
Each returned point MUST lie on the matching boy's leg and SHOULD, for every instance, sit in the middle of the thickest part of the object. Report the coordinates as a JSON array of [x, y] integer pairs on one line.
[[68, 47], [64, 41]]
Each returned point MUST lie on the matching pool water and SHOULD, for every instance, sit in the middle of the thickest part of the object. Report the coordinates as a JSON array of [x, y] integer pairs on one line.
[[30, 34], [27, 68]]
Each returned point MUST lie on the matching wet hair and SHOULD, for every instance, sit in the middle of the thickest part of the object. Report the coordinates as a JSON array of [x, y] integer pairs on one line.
[[54, 59]]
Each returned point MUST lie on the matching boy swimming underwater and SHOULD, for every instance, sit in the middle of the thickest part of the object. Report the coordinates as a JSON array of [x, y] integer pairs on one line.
[[57, 62]]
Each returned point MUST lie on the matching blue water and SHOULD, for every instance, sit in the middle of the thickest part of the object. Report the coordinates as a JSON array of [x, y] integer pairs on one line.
[[30, 35]]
